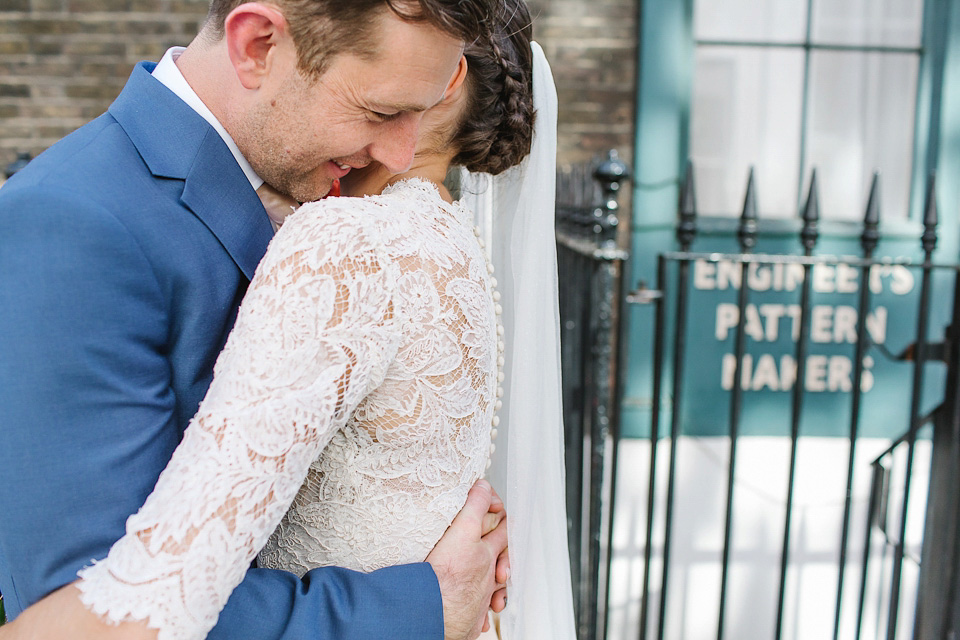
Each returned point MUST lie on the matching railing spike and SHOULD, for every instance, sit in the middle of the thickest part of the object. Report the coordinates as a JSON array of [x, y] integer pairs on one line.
[[747, 233], [871, 219], [687, 227], [811, 214]]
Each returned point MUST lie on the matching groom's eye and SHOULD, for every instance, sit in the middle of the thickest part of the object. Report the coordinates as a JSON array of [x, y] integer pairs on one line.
[[377, 116]]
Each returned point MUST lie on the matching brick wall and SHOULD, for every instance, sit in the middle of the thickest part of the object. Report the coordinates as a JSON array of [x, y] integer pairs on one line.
[[592, 47], [63, 61]]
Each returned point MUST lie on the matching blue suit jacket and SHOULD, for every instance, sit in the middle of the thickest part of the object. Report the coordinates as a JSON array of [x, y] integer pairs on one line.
[[124, 251]]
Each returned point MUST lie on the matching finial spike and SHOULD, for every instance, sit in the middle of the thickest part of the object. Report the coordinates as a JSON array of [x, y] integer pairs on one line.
[[747, 233], [811, 215], [871, 219]]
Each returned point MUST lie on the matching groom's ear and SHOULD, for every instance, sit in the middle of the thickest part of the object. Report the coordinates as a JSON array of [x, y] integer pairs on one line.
[[457, 80], [252, 32]]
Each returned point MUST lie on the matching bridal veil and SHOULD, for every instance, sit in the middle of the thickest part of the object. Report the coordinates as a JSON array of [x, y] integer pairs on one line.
[[515, 212]]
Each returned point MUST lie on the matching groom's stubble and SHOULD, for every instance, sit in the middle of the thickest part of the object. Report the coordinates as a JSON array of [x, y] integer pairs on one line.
[[360, 109]]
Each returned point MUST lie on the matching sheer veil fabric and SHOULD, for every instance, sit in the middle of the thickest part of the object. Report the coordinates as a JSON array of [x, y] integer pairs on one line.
[[515, 211]]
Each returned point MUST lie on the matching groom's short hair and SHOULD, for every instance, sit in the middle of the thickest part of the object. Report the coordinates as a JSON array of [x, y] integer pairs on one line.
[[324, 28]]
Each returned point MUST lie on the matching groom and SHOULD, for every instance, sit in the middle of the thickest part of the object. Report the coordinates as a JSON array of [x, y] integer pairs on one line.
[[125, 250]]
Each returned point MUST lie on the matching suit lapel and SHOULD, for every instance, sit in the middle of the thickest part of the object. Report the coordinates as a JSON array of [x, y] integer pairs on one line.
[[227, 203], [177, 143]]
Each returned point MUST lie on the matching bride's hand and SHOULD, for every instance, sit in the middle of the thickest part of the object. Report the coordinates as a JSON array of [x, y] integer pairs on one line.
[[490, 522], [62, 615]]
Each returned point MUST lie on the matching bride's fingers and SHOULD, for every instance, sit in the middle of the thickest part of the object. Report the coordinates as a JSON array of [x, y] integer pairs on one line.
[[497, 539], [499, 600], [491, 521], [486, 623], [503, 567]]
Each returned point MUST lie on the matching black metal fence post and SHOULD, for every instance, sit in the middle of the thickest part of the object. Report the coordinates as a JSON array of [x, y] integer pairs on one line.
[[938, 610], [605, 437], [869, 239], [929, 243], [808, 238], [686, 232], [590, 267], [747, 236]]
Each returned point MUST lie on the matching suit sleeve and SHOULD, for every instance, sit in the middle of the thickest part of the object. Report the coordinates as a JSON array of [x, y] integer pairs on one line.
[[88, 421]]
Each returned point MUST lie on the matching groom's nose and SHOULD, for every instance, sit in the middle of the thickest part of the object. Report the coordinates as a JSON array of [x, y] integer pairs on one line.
[[394, 149]]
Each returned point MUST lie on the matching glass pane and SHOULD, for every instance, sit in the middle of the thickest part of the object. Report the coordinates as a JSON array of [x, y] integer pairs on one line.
[[862, 118], [751, 20], [868, 22], [747, 111]]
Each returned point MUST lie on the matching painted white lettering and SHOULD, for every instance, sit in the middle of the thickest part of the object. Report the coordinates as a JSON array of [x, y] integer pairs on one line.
[[838, 374], [846, 279], [788, 372], [754, 326], [728, 369], [793, 310], [902, 283], [793, 277], [765, 375], [823, 278], [866, 378], [727, 317], [816, 373], [759, 277], [703, 275], [845, 324], [728, 275], [821, 323], [771, 314], [877, 325], [876, 278], [778, 277]]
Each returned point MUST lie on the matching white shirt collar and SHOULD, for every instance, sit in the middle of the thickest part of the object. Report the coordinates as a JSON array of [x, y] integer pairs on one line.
[[169, 75]]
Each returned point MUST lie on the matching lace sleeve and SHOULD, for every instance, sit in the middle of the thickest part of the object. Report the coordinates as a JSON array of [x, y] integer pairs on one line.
[[315, 333]]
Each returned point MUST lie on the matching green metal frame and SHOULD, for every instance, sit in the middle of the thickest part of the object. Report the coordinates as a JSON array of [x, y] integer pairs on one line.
[[666, 48], [665, 74]]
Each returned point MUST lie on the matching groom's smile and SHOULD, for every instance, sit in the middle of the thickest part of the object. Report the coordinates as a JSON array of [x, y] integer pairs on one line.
[[302, 132]]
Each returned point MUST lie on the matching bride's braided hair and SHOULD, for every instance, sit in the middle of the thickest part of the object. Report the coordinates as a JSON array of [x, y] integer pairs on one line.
[[496, 127]]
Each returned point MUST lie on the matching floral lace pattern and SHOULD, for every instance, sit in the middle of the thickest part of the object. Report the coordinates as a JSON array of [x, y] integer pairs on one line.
[[357, 389]]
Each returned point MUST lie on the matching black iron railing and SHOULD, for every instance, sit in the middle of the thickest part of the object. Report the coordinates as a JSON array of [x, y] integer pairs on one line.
[[590, 267], [938, 595]]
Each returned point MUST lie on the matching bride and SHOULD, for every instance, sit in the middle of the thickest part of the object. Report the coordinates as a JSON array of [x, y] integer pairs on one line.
[[373, 363]]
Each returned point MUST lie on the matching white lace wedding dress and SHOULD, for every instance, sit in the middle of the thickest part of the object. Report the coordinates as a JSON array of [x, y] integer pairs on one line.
[[358, 390]]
